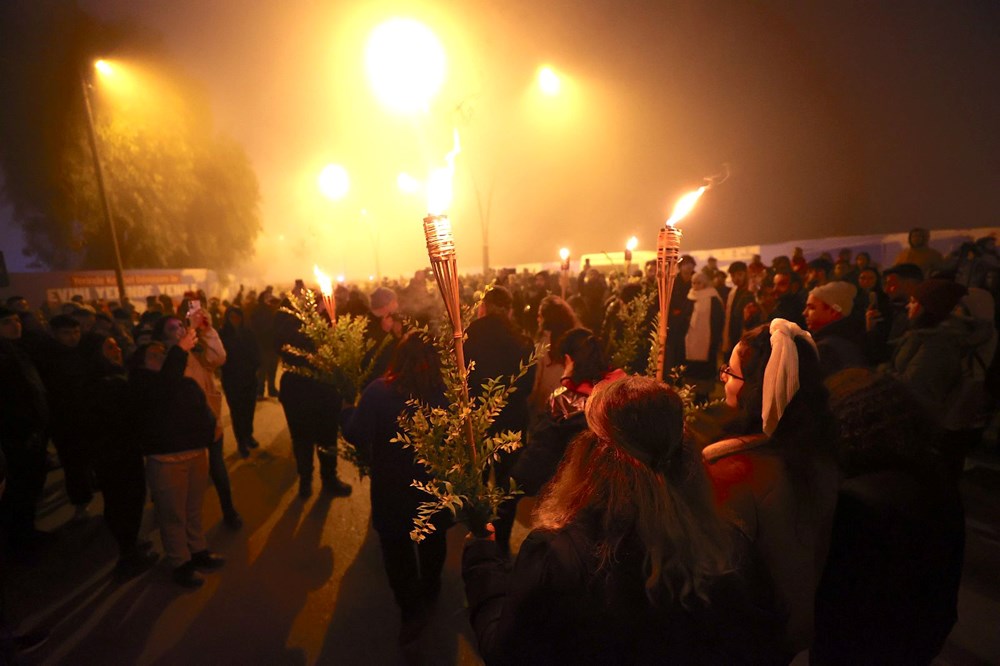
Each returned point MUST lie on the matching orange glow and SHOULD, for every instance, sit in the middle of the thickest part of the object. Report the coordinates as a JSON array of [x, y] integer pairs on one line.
[[104, 67], [325, 283], [685, 205], [564, 253], [632, 244], [407, 183]]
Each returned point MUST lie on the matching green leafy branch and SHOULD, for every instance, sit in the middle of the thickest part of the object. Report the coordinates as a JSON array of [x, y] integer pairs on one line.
[[437, 435], [635, 324], [337, 357]]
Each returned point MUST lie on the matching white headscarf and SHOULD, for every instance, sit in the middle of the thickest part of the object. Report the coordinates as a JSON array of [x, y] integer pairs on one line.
[[781, 376]]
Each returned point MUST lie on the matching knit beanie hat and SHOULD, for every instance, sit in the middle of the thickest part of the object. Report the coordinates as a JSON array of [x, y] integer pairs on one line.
[[382, 297], [838, 295], [938, 297]]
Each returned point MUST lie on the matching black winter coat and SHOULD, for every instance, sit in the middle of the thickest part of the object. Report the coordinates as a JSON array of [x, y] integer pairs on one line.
[[168, 411]]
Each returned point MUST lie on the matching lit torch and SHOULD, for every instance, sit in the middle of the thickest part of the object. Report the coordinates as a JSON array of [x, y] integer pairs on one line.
[[326, 291], [441, 252], [668, 250], [630, 246], [564, 268]]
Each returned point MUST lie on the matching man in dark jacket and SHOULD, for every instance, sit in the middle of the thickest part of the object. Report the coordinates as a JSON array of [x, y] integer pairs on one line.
[[839, 333], [790, 301], [24, 420], [498, 348], [66, 371], [311, 407], [736, 301]]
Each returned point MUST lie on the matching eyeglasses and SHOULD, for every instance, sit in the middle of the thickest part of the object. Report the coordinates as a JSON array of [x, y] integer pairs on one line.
[[725, 371]]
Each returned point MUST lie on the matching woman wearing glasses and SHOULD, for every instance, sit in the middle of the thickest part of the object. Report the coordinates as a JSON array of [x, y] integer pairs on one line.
[[779, 477]]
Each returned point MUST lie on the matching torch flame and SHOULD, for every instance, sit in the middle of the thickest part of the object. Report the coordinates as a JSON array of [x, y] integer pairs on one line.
[[325, 284], [685, 204], [439, 182], [564, 253], [632, 244]]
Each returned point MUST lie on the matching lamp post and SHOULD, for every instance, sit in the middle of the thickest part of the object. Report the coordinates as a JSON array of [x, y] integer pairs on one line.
[[101, 187], [564, 270]]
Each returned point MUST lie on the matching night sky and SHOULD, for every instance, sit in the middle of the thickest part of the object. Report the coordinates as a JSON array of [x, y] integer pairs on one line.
[[835, 118]]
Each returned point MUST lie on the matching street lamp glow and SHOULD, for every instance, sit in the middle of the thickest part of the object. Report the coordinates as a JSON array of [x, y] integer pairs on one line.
[[334, 182], [407, 183], [406, 64], [564, 253], [548, 81], [104, 67]]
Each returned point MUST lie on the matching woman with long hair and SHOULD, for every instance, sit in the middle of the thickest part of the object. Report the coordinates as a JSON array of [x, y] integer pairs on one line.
[[629, 561], [555, 318], [779, 476], [414, 570], [585, 365]]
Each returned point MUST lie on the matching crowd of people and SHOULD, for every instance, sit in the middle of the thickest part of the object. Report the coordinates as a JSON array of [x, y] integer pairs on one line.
[[825, 516]]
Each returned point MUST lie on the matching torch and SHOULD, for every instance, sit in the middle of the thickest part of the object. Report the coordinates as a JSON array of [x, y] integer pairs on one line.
[[668, 250], [630, 246], [564, 268], [441, 252], [326, 290]]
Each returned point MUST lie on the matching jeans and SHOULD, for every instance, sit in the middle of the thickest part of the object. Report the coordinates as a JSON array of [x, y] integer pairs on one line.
[[177, 484]]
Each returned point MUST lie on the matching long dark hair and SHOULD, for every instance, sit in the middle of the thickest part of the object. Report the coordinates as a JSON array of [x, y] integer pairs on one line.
[[632, 473], [557, 318], [590, 363], [806, 428], [415, 368]]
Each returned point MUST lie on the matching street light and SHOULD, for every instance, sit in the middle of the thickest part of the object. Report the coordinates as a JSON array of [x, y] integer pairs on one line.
[[406, 64], [334, 182], [103, 67], [564, 267], [548, 82]]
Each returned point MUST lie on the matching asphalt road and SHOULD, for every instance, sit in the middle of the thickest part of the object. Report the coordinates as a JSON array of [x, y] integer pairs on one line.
[[304, 582]]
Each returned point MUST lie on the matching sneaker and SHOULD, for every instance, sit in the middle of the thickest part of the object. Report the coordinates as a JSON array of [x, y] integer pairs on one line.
[[244, 450], [253, 444], [336, 487], [186, 575], [233, 520], [305, 488], [206, 560], [134, 564]]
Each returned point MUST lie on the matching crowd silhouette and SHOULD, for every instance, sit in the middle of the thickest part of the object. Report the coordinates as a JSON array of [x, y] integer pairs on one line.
[[793, 487]]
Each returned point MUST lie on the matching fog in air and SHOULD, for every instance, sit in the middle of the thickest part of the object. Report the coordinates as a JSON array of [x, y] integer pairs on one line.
[[833, 120]]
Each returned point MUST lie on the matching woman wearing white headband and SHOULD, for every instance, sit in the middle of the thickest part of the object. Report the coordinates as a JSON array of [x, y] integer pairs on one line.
[[779, 478]]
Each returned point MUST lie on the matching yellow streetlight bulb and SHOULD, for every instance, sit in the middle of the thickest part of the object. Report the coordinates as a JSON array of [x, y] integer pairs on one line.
[[104, 67], [334, 182], [632, 244], [406, 64], [564, 253], [548, 81]]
